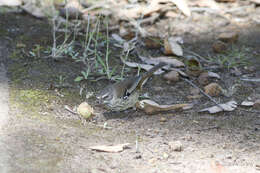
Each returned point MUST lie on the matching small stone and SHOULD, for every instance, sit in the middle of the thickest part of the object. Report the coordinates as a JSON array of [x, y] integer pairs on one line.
[[228, 37], [257, 104], [213, 89], [172, 76], [219, 47], [176, 146], [204, 78]]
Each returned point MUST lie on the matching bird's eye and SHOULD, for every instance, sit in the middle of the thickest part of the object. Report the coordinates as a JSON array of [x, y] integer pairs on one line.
[[126, 95]]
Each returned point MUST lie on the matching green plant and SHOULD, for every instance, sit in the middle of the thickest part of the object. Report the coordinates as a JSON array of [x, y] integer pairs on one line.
[[61, 80], [235, 57], [83, 77]]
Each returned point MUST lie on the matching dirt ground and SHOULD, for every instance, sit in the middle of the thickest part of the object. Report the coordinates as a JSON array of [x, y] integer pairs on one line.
[[42, 136]]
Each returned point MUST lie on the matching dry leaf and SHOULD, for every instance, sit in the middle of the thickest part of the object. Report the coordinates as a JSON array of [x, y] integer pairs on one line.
[[182, 5], [229, 106], [117, 38], [34, 10], [256, 1], [150, 106], [156, 60], [146, 67], [153, 7], [207, 3], [228, 37], [247, 103], [109, 148], [172, 46], [212, 74], [10, 2]]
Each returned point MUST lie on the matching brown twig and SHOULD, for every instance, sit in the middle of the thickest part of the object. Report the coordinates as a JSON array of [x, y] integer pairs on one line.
[[205, 94]]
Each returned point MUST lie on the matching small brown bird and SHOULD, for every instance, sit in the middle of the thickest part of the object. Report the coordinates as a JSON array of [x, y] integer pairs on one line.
[[124, 94]]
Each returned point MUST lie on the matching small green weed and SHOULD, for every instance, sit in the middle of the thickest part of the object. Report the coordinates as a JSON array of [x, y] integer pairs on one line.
[[233, 58]]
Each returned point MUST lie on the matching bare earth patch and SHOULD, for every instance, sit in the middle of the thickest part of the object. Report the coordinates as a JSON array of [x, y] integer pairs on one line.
[[42, 136]]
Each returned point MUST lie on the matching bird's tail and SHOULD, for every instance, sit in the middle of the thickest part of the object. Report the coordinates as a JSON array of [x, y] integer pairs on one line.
[[148, 74]]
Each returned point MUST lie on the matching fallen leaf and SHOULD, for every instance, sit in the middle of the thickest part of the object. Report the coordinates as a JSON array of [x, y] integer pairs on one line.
[[182, 5], [117, 38], [146, 67], [150, 106], [172, 46], [10, 2], [169, 60], [228, 37], [154, 6], [33, 9], [256, 1], [247, 103], [229, 106], [110, 149], [212, 74], [206, 3]]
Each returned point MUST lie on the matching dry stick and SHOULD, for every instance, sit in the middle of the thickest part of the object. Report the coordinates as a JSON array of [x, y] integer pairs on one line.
[[205, 94], [251, 80]]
